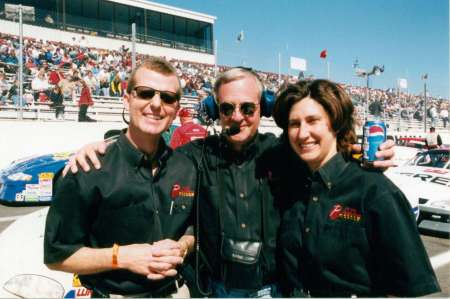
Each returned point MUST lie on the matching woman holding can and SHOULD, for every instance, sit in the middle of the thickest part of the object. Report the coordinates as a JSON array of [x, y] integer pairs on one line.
[[351, 232]]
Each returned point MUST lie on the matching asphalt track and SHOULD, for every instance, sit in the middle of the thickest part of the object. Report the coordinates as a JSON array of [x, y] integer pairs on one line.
[[438, 249]]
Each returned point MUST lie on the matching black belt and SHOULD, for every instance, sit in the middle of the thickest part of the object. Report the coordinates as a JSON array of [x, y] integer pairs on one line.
[[162, 292]]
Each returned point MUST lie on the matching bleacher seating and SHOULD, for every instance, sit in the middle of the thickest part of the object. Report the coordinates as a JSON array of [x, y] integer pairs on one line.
[[197, 80]]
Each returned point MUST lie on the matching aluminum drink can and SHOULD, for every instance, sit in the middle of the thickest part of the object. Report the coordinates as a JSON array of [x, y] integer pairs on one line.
[[374, 134]]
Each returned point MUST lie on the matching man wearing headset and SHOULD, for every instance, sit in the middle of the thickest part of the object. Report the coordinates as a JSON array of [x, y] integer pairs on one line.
[[238, 218]]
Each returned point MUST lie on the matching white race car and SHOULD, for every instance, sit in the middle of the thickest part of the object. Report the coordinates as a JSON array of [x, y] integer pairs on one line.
[[426, 179], [23, 273]]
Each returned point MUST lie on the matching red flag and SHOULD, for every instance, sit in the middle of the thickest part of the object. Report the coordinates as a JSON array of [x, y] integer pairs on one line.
[[323, 54]]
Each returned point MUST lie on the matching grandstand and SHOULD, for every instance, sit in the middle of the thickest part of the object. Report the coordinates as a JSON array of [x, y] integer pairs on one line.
[[161, 30], [56, 41]]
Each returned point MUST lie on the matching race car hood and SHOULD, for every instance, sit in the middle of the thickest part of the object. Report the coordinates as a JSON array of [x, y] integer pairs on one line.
[[22, 249], [26, 164], [30, 180], [423, 182]]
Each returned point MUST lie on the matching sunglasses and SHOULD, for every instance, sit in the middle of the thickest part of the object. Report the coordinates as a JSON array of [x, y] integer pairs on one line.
[[147, 93], [247, 109]]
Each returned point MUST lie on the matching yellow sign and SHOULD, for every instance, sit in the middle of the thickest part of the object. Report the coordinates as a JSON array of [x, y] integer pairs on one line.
[[46, 176]]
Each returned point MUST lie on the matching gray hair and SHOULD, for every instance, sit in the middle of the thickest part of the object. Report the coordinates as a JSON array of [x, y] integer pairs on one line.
[[235, 74]]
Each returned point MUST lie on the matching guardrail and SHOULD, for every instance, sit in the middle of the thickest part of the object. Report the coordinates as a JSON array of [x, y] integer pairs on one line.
[[104, 109], [111, 109]]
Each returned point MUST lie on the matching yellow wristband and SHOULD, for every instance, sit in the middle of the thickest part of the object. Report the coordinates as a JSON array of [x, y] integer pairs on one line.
[[115, 253]]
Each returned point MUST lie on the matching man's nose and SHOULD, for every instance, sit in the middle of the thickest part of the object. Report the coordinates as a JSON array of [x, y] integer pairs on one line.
[[156, 100], [237, 114]]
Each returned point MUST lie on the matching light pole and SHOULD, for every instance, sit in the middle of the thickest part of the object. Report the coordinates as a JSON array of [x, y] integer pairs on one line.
[[424, 78], [376, 70], [133, 45]]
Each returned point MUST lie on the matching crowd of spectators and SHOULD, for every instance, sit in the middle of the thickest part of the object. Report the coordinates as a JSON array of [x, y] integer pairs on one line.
[[105, 72], [391, 103]]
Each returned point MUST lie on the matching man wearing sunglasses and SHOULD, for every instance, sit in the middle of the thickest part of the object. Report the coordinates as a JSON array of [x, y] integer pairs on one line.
[[238, 218], [117, 227]]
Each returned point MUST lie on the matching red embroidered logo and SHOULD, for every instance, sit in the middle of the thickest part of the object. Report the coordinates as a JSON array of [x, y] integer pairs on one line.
[[339, 212], [177, 190], [334, 213]]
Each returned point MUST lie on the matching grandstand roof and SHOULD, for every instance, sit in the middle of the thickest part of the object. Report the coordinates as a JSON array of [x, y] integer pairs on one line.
[[168, 9]]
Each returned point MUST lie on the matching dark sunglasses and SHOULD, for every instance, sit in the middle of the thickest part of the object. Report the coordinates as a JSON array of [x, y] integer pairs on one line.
[[147, 93], [247, 109]]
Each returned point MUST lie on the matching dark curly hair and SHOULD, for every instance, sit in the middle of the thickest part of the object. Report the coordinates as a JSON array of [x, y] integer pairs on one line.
[[331, 97]]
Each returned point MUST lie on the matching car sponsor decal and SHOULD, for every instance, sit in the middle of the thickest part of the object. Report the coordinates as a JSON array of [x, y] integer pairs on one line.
[[20, 196], [45, 186], [78, 290], [345, 213], [31, 192], [438, 171], [78, 293], [37, 192], [444, 181]]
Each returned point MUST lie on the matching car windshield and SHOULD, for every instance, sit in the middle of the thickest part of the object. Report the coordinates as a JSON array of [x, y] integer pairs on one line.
[[431, 159]]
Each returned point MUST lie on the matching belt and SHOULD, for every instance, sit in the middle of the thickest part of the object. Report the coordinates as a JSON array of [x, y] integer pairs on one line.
[[162, 292]]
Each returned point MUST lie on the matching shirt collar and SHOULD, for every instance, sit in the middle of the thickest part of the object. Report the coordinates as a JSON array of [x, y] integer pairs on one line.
[[137, 158], [332, 171], [248, 151]]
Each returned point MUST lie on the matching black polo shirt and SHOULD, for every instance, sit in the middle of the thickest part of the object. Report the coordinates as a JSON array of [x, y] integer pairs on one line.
[[242, 182], [120, 203], [353, 234]]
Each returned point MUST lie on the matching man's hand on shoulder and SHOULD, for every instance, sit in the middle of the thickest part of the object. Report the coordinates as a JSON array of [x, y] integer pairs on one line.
[[86, 153]]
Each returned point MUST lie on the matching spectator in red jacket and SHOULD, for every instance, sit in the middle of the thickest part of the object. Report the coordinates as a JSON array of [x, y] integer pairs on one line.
[[188, 130], [85, 102], [56, 76]]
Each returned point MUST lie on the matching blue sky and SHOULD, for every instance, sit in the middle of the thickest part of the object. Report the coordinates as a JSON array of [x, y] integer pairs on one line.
[[410, 37]]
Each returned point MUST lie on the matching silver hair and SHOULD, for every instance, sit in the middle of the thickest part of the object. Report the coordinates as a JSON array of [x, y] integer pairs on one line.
[[236, 74]]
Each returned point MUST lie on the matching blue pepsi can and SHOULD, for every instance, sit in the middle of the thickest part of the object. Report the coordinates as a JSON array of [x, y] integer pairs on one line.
[[374, 134]]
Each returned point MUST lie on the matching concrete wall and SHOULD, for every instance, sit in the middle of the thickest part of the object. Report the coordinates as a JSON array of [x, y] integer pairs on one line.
[[19, 139]]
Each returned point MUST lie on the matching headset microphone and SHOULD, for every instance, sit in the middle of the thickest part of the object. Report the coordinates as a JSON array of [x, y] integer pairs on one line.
[[232, 130]]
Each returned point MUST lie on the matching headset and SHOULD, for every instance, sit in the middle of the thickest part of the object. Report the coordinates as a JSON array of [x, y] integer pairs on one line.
[[209, 108]]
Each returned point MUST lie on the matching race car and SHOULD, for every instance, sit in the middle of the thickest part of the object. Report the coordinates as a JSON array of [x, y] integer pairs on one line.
[[426, 179], [29, 181], [26, 276]]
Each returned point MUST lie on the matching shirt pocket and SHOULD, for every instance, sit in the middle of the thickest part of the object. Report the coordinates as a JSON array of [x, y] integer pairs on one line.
[[182, 204], [126, 225], [343, 244]]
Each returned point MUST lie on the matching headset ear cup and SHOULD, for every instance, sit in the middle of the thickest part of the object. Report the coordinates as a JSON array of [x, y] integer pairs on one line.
[[210, 107], [267, 103]]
